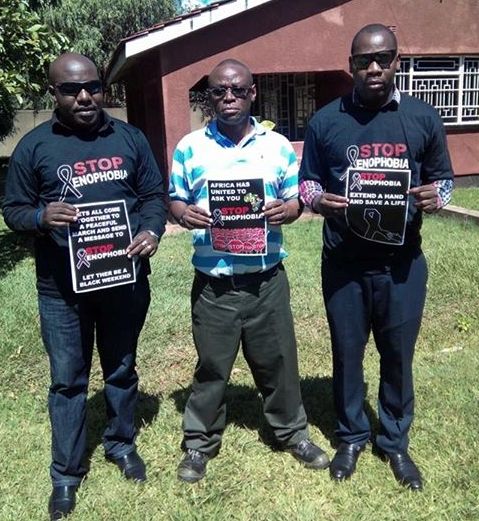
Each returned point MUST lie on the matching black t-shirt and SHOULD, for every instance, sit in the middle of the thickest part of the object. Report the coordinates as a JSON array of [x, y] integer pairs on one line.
[[409, 135], [53, 163]]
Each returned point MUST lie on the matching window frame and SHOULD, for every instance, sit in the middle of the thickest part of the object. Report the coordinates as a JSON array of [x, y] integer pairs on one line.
[[462, 71]]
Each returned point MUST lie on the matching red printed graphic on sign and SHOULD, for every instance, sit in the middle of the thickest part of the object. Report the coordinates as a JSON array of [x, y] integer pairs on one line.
[[239, 241]]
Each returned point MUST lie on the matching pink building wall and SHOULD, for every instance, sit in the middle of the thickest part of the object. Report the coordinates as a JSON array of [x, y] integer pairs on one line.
[[275, 38]]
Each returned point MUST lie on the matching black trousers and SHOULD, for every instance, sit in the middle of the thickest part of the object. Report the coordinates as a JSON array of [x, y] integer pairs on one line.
[[389, 301], [257, 314]]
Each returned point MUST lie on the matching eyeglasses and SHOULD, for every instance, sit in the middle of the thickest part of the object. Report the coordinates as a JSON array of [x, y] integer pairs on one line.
[[237, 92], [383, 59], [73, 88]]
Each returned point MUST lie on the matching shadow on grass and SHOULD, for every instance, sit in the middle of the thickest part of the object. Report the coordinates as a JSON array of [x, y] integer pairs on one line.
[[147, 409], [14, 247], [319, 404], [244, 408]]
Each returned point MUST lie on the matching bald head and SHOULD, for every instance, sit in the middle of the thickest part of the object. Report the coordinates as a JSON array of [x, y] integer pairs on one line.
[[77, 90], [374, 33], [68, 66], [233, 64], [373, 63]]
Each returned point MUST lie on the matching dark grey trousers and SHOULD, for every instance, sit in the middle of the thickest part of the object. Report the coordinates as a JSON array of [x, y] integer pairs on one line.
[[258, 316]]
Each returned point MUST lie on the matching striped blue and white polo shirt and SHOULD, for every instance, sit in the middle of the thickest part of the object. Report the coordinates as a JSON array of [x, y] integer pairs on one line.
[[206, 154]]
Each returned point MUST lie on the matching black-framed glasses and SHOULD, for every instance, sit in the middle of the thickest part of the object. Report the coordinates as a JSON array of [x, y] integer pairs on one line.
[[73, 88], [382, 58], [237, 92]]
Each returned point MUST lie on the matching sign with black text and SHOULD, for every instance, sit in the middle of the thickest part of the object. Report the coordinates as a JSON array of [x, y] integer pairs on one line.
[[239, 224], [97, 243], [378, 203]]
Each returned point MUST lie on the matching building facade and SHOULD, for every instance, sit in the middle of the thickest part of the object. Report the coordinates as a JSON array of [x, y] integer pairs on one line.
[[298, 52]]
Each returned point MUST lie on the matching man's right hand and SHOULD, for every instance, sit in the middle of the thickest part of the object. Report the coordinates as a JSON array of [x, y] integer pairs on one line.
[[329, 205], [58, 214], [195, 217]]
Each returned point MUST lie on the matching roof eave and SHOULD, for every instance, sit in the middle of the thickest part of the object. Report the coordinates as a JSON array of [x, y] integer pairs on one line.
[[171, 30], [116, 67]]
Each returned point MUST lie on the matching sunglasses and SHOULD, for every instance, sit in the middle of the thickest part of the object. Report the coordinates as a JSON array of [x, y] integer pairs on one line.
[[383, 59], [237, 92], [73, 88]]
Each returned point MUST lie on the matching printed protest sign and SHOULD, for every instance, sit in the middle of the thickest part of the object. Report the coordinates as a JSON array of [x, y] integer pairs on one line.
[[98, 242], [239, 225], [378, 203]]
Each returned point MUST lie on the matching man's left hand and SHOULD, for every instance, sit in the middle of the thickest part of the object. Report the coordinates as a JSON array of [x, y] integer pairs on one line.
[[276, 212], [143, 245], [427, 198]]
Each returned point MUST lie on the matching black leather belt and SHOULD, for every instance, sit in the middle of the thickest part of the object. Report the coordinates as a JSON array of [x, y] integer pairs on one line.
[[239, 281]]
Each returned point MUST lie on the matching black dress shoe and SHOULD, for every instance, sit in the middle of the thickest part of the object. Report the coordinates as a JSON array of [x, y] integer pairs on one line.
[[62, 502], [131, 466], [192, 467], [309, 454], [404, 469], [343, 464]]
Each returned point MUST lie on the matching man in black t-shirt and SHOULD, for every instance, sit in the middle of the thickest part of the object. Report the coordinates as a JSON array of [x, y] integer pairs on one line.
[[373, 161], [83, 156]]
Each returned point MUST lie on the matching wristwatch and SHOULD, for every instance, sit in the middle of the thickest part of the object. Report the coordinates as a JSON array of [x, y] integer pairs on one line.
[[153, 234]]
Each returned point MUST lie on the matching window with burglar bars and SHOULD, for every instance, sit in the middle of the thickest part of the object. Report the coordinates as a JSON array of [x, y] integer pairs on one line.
[[449, 83], [289, 100]]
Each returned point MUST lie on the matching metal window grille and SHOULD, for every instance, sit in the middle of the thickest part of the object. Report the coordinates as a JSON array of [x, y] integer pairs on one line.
[[289, 100], [449, 83]]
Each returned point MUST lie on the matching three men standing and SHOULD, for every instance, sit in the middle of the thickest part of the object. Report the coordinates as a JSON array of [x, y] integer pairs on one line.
[[112, 162], [373, 271]]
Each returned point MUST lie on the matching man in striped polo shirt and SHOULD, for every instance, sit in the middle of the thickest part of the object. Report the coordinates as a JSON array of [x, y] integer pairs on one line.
[[234, 184]]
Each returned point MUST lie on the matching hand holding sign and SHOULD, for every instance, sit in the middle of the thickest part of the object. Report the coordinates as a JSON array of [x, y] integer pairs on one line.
[[58, 214], [195, 217], [426, 197], [279, 212], [144, 245], [276, 212], [329, 205]]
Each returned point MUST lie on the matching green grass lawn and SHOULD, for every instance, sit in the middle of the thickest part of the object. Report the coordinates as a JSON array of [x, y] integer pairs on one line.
[[249, 481], [466, 197]]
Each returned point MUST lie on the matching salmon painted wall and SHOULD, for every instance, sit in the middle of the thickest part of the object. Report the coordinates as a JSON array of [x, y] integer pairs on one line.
[[312, 36]]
